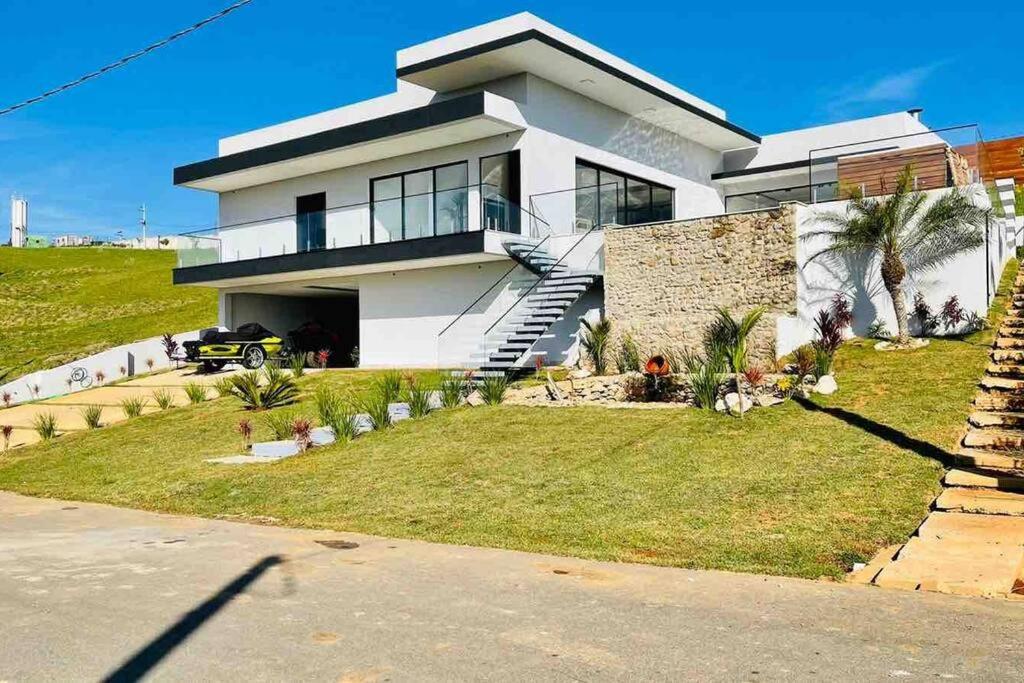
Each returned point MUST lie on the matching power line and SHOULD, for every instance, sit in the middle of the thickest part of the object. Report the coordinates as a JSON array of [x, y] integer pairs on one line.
[[125, 60]]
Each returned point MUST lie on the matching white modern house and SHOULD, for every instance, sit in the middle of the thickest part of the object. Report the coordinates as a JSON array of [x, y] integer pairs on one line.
[[466, 218]]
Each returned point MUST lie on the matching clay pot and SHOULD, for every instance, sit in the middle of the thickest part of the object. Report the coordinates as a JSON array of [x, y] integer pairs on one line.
[[657, 366]]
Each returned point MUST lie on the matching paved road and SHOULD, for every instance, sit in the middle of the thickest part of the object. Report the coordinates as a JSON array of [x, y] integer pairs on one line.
[[88, 592]]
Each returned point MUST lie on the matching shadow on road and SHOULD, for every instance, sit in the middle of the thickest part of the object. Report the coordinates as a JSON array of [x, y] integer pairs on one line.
[[149, 656], [890, 434]]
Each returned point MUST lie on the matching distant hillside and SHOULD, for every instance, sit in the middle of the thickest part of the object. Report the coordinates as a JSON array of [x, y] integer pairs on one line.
[[57, 305]]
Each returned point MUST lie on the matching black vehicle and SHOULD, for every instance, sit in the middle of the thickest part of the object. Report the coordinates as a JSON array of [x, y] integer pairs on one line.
[[250, 344]]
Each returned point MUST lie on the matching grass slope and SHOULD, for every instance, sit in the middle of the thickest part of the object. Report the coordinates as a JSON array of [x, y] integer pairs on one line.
[[800, 490], [57, 305]]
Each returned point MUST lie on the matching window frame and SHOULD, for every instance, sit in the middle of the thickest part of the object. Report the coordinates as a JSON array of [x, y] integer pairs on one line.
[[622, 207], [298, 214], [433, 194]]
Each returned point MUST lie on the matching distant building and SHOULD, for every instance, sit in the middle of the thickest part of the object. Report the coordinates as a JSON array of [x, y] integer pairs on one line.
[[72, 241], [19, 222]]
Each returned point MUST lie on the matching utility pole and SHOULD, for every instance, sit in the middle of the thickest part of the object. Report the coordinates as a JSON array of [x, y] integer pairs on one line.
[[142, 222]]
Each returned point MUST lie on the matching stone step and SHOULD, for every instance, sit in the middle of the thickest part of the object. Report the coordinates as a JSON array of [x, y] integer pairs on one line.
[[977, 528], [1004, 370], [995, 439], [1009, 343], [987, 418], [984, 480], [1014, 320], [1001, 402], [1010, 332], [1004, 385], [981, 502], [954, 565], [1007, 356], [868, 572], [1006, 462]]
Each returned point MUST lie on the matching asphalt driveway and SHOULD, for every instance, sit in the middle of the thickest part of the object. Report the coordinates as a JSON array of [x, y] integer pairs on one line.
[[89, 592]]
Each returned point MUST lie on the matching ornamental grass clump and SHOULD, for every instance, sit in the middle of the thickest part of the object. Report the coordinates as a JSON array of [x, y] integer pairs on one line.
[[335, 412], [195, 392], [297, 363], [706, 374], [223, 386], [417, 395], [45, 425], [280, 424], [388, 387], [91, 416], [804, 360], [453, 388], [265, 391], [627, 357], [492, 389], [132, 407], [730, 335], [376, 407]]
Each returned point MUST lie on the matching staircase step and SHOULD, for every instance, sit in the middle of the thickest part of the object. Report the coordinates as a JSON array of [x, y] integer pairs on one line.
[[954, 565], [1009, 331], [980, 528], [1004, 385], [1008, 462], [999, 402], [981, 501], [995, 439], [969, 478], [1013, 320], [986, 418], [1007, 356], [1009, 343], [1005, 370]]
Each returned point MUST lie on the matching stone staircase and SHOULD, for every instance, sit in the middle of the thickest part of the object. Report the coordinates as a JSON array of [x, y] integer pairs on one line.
[[973, 541]]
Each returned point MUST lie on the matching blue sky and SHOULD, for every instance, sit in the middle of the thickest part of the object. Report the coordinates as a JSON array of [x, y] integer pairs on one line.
[[88, 158]]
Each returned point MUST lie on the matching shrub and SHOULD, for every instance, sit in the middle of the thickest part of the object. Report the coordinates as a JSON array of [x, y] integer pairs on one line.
[[302, 432], [195, 392], [170, 346], [122, 370], [45, 425], [275, 390], [6, 398], [634, 386], [133, 406], [804, 360], [6, 431], [163, 398], [928, 321], [354, 356], [280, 424], [754, 375], [952, 313], [223, 386], [492, 389], [418, 397], [594, 341], [245, 430], [376, 407], [91, 415], [336, 413], [388, 386], [976, 322], [878, 330], [149, 364], [787, 384], [706, 375], [100, 376], [297, 363], [730, 335], [627, 358], [452, 388], [828, 340], [822, 362], [322, 356], [841, 310]]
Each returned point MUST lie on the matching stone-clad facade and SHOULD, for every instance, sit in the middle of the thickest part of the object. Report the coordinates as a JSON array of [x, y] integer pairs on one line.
[[663, 282]]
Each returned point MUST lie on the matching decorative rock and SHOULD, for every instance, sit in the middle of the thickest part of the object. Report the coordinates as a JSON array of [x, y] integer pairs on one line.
[[809, 379], [399, 411], [475, 399], [720, 405], [735, 404], [434, 400], [274, 449], [768, 400], [580, 374], [826, 385], [363, 423], [322, 436]]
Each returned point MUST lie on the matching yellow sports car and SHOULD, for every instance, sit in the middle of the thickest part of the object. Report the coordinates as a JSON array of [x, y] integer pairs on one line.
[[251, 345]]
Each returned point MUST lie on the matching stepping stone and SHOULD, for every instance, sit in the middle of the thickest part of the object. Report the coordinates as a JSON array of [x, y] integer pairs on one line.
[[882, 558], [399, 411], [994, 439], [982, 479], [954, 565], [982, 502], [274, 450], [991, 460], [996, 419], [1002, 384], [1000, 402], [976, 528]]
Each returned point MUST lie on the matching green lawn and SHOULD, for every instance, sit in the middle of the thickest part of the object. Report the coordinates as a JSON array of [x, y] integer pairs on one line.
[[57, 305], [800, 490]]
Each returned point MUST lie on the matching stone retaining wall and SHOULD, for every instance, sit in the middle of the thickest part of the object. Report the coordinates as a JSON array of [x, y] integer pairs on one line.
[[662, 282]]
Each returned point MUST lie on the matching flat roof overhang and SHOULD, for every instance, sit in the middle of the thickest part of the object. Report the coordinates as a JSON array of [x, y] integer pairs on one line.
[[580, 68], [438, 124], [426, 252]]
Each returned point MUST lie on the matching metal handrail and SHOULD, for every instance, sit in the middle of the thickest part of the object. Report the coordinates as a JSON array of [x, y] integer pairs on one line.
[[488, 290]]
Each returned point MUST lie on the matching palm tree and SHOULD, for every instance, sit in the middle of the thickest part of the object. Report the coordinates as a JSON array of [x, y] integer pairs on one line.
[[903, 234], [728, 336]]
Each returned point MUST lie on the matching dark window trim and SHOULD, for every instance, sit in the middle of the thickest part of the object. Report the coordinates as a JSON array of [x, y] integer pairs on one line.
[[534, 34], [600, 168], [514, 184], [298, 215], [433, 192]]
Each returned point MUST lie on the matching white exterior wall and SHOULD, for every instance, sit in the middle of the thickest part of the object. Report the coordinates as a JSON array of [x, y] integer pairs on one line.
[[971, 277]]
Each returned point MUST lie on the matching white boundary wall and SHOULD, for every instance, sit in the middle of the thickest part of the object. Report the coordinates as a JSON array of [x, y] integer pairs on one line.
[[972, 277], [132, 357]]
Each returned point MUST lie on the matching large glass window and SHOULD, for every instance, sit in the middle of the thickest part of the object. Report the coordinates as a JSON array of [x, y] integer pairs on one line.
[[499, 192], [606, 197], [424, 203], [311, 222]]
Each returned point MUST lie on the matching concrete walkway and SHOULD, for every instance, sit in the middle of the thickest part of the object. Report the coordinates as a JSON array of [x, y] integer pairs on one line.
[[89, 591], [68, 409]]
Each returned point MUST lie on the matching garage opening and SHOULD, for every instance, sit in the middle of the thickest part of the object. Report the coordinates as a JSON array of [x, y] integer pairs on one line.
[[321, 318]]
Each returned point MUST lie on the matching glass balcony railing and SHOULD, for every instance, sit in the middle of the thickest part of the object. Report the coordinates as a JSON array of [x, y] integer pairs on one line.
[[430, 214]]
